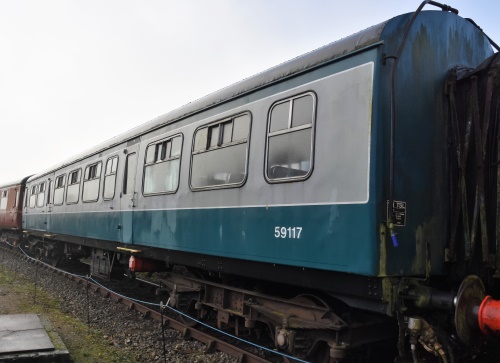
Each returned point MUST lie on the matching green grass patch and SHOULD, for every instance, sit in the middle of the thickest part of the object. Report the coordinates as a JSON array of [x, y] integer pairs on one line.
[[86, 345]]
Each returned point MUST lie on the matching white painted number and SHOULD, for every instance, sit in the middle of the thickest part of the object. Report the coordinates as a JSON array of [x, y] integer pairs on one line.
[[287, 232]]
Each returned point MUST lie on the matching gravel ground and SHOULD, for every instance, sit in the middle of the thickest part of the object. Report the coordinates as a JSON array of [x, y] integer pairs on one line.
[[126, 329]]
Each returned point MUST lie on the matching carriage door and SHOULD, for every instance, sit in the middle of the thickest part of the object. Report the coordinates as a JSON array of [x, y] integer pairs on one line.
[[48, 204], [41, 209], [129, 193]]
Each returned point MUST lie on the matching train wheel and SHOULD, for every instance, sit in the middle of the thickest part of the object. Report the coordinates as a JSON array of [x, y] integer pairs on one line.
[[186, 305], [186, 301], [129, 274], [53, 261], [320, 352]]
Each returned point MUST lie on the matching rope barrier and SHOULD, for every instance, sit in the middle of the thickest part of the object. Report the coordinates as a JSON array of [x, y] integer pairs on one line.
[[161, 306]]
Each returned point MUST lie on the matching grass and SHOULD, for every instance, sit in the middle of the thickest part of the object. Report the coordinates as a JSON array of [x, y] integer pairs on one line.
[[17, 296]]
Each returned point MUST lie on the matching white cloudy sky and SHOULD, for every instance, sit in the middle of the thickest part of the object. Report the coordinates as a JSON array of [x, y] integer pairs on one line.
[[76, 73]]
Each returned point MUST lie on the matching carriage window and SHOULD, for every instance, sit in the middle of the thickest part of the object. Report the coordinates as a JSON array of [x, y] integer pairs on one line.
[[3, 201], [73, 190], [32, 196], [161, 171], [59, 190], [91, 182], [110, 178], [219, 157], [290, 139], [40, 200]]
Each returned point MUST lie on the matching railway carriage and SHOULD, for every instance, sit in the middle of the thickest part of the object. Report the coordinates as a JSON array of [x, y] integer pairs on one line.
[[11, 204], [297, 180]]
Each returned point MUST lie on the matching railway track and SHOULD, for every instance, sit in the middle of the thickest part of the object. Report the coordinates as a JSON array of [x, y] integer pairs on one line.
[[212, 343]]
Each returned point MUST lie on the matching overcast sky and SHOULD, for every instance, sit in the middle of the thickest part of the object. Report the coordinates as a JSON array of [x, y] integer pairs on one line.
[[76, 73]]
